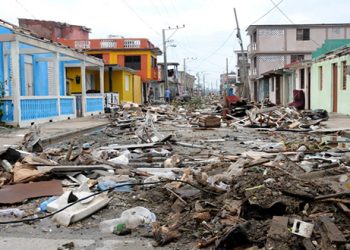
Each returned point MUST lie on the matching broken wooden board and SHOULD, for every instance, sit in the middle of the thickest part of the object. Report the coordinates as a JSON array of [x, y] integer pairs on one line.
[[278, 234], [129, 146], [333, 233], [73, 168], [10, 194]]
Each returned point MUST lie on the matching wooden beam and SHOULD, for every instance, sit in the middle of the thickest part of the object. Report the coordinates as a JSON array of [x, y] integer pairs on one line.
[[30, 51], [54, 48]]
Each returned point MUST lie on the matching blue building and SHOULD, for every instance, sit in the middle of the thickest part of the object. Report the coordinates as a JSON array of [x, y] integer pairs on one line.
[[33, 79]]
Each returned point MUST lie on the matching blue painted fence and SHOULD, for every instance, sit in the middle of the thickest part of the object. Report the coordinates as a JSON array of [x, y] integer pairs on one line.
[[38, 108], [67, 106], [6, 107], [94, 104]]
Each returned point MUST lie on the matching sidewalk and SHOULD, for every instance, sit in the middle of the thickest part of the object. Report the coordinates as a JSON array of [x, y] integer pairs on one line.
[[53, 131], [337, 121]]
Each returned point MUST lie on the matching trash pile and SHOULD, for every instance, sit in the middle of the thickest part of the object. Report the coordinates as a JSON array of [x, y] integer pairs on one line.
[[279, 118], [155, 172]]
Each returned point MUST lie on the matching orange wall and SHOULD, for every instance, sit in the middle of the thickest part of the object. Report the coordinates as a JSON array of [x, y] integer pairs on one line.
[[117, 57]]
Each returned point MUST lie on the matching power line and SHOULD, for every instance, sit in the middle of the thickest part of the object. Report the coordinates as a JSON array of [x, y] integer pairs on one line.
[[284, 14], [222, 45], [23, 7], [149, 26], [274, 7]]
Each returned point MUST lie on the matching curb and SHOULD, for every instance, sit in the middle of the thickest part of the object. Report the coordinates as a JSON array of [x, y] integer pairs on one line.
[[61, 137]]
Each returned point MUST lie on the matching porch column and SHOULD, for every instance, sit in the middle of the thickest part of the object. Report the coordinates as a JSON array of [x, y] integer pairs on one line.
[[83, 87], [56, 79], [102, 84], [14, 52]]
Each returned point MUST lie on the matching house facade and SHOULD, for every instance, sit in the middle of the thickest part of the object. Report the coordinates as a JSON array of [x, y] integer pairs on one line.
[[274, 46], [186, 82], [330, 79], [33, 79], [130, 64]]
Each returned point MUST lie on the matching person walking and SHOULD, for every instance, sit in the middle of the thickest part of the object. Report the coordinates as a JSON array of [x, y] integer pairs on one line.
[[167, 95], [150, 95]]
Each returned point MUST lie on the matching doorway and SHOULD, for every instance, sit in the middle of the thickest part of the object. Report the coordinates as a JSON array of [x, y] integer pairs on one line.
[[278, 90], [335, 87]]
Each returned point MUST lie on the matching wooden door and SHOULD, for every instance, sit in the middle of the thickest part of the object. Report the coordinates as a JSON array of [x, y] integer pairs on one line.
[[335, 87]]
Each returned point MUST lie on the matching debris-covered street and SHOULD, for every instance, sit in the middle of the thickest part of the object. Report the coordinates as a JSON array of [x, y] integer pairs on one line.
[[175, 125], [184, 177]]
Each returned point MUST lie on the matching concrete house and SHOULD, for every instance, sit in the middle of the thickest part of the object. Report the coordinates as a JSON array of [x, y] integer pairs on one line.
[[330, 88], [274, 46], [33, 79]]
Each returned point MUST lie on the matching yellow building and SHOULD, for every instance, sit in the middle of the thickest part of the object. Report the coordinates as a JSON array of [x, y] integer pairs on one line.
[[117, 79], [124, 58]]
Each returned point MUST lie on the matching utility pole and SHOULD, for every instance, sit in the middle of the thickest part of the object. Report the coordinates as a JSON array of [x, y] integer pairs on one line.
[[204, 83], [199, 82], [165, 71], [185, 75], [226, 80], [244, 73]]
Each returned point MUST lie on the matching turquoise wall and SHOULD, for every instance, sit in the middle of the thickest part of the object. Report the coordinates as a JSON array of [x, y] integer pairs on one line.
[[324, 98]]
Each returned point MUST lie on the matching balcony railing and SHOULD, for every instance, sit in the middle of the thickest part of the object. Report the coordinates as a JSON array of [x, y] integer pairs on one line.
[[252, 48]]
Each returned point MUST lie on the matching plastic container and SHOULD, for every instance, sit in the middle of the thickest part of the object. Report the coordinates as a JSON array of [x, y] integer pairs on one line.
[[131, 218], [44, 204], [107, 226]]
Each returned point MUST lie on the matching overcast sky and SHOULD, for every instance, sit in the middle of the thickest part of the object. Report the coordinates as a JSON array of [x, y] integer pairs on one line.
[[210, 29]]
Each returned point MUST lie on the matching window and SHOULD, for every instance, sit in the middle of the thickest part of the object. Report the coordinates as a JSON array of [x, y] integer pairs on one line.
[[153, 62], [296, 58], [303, 34], [344, 68], [320, 77], [302, 78], [133, 62]]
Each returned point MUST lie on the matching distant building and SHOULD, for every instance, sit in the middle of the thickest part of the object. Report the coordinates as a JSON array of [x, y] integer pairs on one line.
[[186, 83], [242, 63], [54, 30], [173, 77], [274, 46]]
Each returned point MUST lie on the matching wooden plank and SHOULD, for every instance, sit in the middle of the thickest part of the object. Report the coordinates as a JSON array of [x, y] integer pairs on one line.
[[333, 233], [308, 244], [278, 233], [73, 168], [130, 146]]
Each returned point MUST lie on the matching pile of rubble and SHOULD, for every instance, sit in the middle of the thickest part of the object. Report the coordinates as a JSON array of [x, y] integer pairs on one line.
[[187, 182]]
